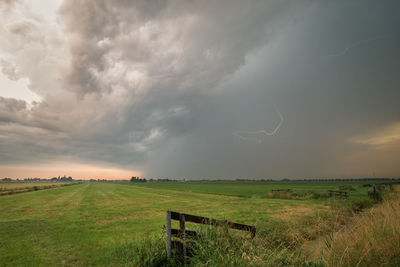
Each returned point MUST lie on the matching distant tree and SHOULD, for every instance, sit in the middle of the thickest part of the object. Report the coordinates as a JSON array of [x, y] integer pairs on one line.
[[138, 180]]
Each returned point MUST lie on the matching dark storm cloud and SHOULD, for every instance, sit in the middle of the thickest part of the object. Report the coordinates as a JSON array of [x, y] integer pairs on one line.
[[324, 100], [166, 86], [153, 62]]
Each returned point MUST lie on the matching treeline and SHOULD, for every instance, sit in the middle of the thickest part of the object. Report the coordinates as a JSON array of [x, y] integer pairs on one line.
[[138, 180]]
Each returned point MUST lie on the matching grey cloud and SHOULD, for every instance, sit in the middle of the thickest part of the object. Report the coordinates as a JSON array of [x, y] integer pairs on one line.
[[21, 28], [144, 96], [16, 111], [175, 44], [11, 105], [9, 70]]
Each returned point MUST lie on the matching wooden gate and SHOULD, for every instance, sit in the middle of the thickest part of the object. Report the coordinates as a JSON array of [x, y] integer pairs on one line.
[[182, 232]]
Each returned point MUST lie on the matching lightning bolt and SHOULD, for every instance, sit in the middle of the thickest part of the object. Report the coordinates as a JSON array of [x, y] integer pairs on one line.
[[243, 134]]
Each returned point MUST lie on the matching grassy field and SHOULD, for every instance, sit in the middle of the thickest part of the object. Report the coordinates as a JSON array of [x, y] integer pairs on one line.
[[82, 224], [262, 189]]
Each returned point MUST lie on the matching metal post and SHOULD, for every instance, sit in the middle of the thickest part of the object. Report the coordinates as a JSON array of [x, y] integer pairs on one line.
[[168, 230], [183, 232]]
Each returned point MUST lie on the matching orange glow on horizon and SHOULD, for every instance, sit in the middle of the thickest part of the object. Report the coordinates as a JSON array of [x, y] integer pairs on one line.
[[76, 170]]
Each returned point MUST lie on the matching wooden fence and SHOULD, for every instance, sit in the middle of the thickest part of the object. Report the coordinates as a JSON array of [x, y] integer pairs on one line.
[[182, 232]]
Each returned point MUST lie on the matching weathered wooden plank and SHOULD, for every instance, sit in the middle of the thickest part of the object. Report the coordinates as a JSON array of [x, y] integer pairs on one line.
[[205, 220]]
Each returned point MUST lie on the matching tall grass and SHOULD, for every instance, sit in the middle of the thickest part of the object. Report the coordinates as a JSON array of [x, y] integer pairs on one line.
[[220, 247], [140, 252], [373, 239]]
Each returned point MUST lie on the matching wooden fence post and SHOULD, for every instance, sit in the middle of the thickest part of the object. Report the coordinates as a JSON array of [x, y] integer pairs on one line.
[[168, 229], [183, 233]]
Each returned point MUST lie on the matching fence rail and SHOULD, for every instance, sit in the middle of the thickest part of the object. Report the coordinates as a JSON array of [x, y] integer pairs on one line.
[[205, 220], [182, 232]]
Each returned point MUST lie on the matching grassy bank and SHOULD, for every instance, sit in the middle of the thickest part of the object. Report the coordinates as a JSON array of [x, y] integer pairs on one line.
[[22, 187], [372, 239]]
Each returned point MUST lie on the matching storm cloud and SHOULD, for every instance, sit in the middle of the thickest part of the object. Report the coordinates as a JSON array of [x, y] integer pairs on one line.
[[205, 89]]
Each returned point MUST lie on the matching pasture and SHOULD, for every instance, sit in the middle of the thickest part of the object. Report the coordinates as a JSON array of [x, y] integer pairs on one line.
[[262, 189], [81, 224]]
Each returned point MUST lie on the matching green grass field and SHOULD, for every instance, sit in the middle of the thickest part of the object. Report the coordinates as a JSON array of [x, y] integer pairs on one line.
[[80, 224], [251, 189]]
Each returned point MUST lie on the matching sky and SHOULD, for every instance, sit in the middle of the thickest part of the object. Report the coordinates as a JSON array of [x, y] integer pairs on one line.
[[181, 89]]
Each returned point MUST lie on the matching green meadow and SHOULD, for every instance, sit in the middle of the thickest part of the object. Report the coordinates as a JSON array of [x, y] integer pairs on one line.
[[85, 224], [262, 189]]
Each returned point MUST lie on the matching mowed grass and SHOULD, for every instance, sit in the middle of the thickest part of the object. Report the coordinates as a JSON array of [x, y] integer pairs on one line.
[[79, 225], [261, 189]]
